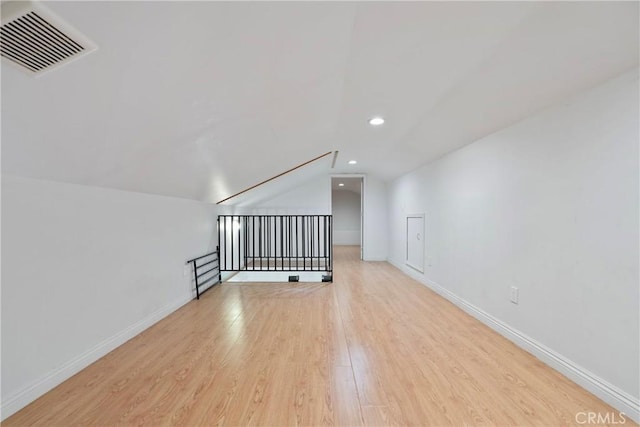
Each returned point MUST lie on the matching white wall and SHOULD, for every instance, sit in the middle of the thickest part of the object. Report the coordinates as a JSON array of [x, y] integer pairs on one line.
[[346, 217], [375, 220], [312, 197], [549, 205], [83, 270]]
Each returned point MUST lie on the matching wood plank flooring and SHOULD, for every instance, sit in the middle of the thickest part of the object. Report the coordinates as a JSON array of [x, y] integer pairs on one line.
[[373, 348]]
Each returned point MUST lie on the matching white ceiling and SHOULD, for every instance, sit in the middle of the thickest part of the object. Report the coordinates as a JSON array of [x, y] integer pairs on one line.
[[202, 99]]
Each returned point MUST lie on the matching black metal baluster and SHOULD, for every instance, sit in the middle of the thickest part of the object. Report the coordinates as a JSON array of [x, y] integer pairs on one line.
[[218, 259], [274, 237], [230, 234], [318, 264], [195, 276], [281, 234], [218, 222], [260, 241], [245, 229], [290, 251], [324, 241]]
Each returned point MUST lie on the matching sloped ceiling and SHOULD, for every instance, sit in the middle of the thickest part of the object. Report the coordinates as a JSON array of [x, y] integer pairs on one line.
[[281, 185], [203, 99]]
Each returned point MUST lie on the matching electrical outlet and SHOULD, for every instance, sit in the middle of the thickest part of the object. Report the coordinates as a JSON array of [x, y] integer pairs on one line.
[[514, 295]]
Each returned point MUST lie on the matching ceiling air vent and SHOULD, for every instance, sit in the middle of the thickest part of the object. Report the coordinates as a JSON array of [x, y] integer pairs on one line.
[[36, 40]]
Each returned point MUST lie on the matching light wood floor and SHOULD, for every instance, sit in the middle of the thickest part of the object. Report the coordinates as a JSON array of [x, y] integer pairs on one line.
[[373, 348]]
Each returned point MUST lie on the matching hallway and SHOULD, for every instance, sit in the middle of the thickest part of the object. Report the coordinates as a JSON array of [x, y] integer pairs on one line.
[[374, 348]]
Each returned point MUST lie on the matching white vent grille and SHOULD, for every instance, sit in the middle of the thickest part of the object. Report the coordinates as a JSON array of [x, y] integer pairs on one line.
[[36, 40]]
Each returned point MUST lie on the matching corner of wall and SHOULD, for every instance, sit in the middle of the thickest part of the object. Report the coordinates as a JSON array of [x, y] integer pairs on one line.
[[609, 393], [22, 398]]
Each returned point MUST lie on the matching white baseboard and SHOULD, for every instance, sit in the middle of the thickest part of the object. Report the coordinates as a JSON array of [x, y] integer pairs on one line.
[[30, 393], [619, 399]]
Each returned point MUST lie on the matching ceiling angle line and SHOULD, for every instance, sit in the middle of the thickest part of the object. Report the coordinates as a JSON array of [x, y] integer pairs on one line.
[[335, 157], [275, 177]]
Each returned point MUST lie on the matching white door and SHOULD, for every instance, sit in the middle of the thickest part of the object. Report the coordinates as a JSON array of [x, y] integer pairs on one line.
[[415, 242]]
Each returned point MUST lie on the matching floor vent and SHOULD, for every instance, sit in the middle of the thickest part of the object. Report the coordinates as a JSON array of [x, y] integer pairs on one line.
[[36, 40]]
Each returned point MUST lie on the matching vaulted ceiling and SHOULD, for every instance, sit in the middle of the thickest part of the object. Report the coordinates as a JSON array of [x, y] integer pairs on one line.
[[203, 99]]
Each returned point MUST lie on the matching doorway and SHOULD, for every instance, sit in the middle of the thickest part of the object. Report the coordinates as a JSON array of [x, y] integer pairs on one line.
[[347, 210]]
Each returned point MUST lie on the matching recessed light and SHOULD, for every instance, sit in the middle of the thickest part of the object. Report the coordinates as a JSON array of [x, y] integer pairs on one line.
[[341, 185], [376, 121], [352, 162]]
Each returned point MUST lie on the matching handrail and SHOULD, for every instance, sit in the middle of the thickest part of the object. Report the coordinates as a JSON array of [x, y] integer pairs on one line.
[[197, 276], [200, 257], [274, 177]]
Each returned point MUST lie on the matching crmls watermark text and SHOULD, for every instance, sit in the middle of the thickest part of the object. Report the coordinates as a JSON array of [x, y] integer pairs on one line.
[[600, 418]]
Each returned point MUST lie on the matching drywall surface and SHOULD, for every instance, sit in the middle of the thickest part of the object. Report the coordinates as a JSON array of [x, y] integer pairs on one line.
[[375, 220], [550, 206], [312, 197], [83, 270], [346, 217]]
